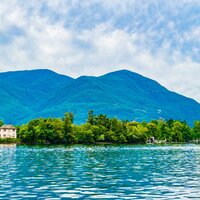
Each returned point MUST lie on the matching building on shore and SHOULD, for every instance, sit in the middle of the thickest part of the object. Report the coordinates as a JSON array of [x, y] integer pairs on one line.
[[8, 131]]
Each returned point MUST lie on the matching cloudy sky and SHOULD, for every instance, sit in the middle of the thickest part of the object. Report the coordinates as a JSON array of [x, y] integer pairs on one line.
[[156, 38]]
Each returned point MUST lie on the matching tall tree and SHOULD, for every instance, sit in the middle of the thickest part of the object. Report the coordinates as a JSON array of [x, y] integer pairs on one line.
[[196, 130], [67, 127], [90, 119], [177, 132]]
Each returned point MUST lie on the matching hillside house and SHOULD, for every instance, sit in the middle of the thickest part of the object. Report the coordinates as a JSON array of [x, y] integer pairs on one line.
[[8, 131]]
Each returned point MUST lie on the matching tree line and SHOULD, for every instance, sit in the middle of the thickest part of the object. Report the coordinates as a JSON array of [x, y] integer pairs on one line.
[[100, 128]]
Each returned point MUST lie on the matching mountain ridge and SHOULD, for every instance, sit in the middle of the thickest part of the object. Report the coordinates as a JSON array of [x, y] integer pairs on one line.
[[123, 94]]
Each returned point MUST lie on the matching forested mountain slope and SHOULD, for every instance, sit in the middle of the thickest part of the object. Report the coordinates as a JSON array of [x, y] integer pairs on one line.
[[25, 95]]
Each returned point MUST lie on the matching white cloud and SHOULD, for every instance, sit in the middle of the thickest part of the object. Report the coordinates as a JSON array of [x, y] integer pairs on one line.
[[157, 39]]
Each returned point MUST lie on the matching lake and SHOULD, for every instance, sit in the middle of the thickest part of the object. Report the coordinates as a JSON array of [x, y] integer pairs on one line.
[[100, 172]]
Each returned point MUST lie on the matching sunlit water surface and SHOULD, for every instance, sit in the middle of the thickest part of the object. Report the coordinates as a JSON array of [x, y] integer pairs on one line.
[[100, 172]]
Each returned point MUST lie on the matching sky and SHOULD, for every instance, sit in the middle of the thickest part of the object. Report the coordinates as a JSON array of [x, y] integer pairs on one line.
[[159, 39]]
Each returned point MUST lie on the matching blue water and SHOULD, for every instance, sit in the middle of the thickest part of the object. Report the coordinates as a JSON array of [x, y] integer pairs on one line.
[[100, 172]]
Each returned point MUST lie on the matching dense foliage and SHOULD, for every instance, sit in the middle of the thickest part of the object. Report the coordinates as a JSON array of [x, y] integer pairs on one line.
[[103, 129], [9, 140]]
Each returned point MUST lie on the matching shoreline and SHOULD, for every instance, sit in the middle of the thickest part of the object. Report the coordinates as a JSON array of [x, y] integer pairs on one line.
[[101, 144]]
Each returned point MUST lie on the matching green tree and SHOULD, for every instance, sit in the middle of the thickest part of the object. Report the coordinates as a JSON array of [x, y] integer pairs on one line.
[[153, 130], [67, 128], [119, 129], [85, 134], [187, 133], [1, 123], [196, 130], [164, 131], [136, 132], [177, 132], [102, 120], [90, 119]]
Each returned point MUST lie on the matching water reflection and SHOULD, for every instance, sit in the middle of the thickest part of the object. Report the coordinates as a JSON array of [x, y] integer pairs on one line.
[[100, 172]]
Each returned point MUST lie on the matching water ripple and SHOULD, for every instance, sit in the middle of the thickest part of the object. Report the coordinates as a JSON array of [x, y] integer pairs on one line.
[[100, 172]]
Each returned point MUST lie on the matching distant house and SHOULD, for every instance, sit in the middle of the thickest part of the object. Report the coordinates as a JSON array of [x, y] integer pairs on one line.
[[8, 131]]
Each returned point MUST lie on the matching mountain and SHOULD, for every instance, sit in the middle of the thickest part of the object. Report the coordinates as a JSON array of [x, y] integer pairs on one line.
[[25, 95]]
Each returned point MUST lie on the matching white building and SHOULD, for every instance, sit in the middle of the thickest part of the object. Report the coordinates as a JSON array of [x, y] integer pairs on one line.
[[8, 131]]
